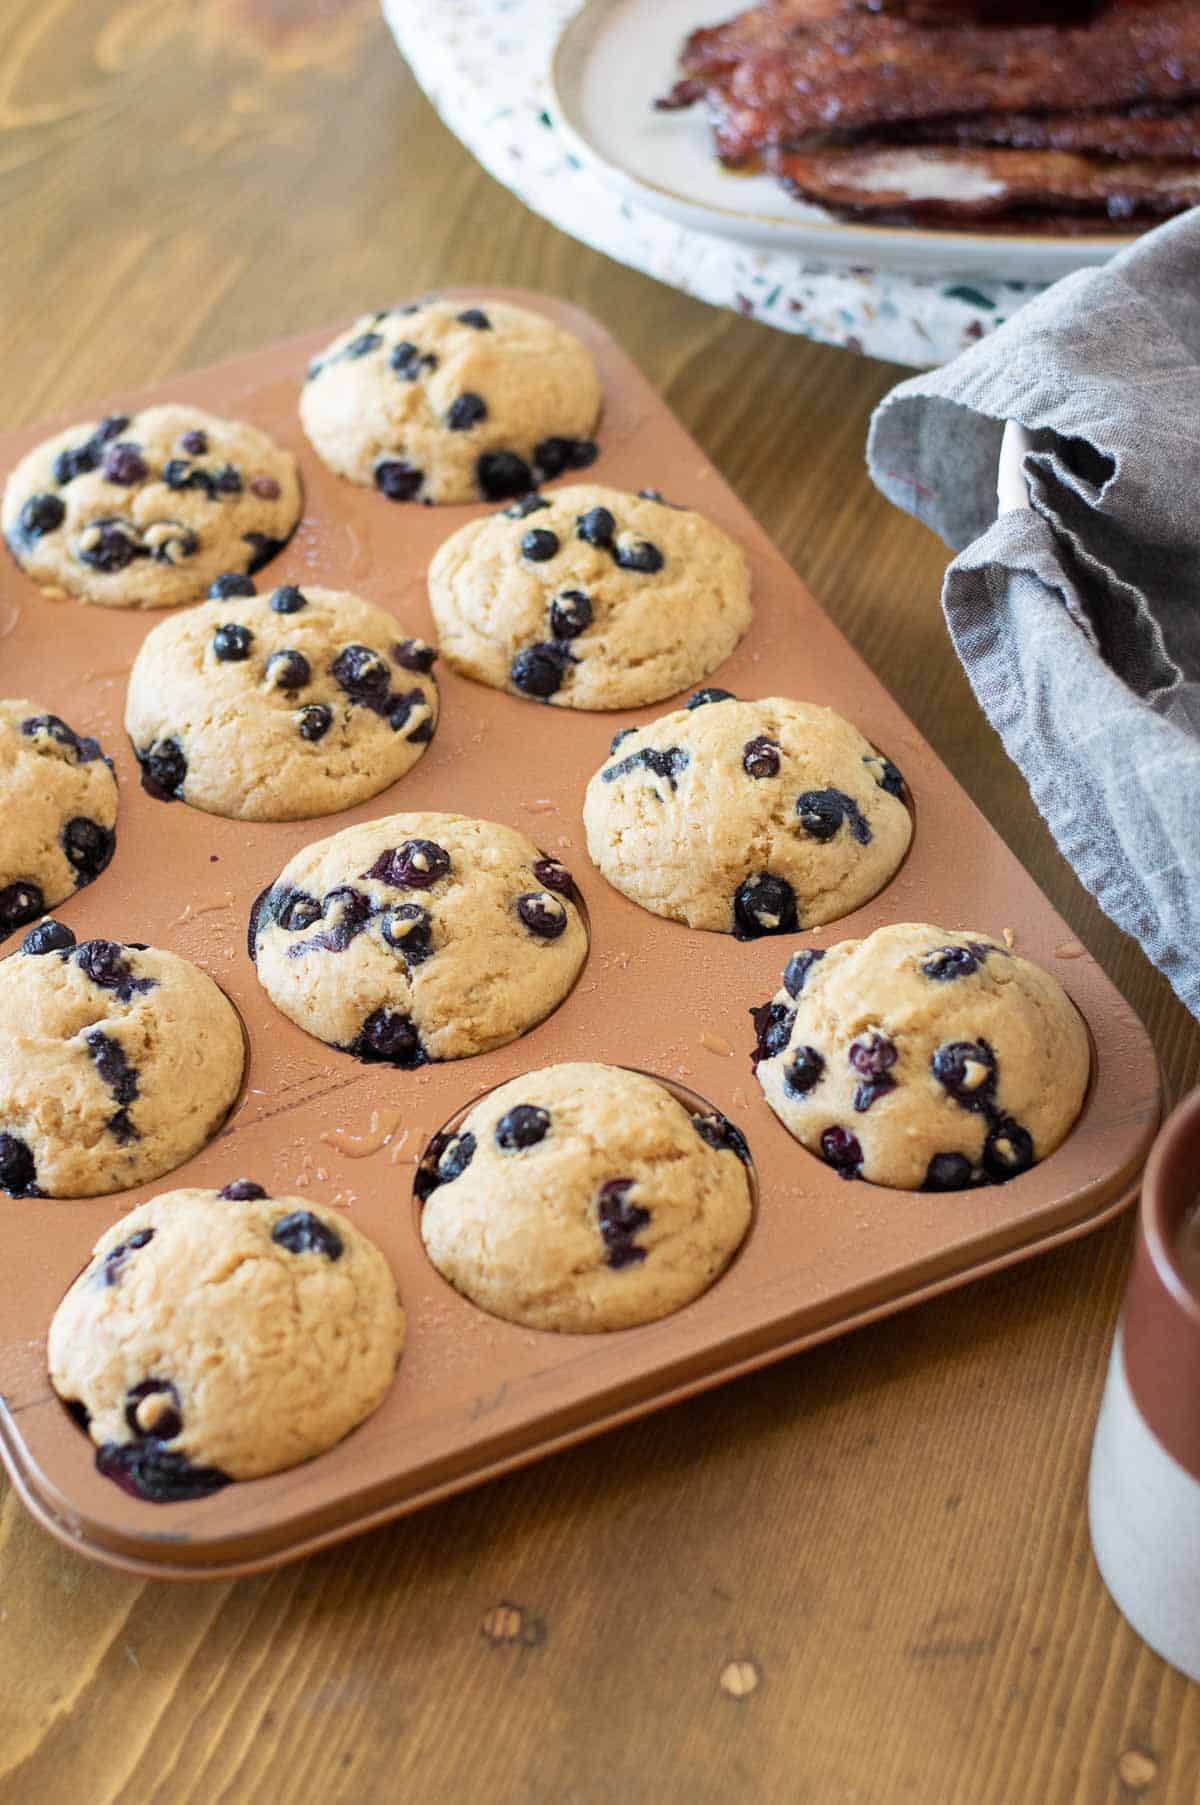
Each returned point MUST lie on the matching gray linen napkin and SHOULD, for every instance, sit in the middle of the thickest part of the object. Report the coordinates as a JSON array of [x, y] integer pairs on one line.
[[1078, 621]]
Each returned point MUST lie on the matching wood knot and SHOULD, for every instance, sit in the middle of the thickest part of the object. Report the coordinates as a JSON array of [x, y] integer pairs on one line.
[[507, 1623], [740, 1678], [1137, 1769]]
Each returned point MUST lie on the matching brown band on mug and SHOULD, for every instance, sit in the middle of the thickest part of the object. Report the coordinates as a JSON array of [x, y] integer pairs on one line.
[[1162, 1313]]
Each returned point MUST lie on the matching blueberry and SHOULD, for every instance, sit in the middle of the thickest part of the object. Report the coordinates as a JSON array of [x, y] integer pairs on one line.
[[538, 545], [408, 360], [117, 1258], [570, 614], [105, 964], [48, 937], [466, 411], [109, 427], [773, 1024], [948, 962], [842, 1151], [803, 1072], [41, 514], [75, 461], [886, 776], [295, 910], [474, 316], [288, 670], [20, 903], [162, 1423], [241, 1190], [426, 1180], [164, 769], [870, 1091], [700, 698], [524, 1125], [362, 345], [348, 913], [399, 712], [256, 908], [262, 549], [596, 527], [265, 487], [195, 443], [949, 1172], [555, 455], [18, 1174], [287, 599], [640, 555], [658, 496], [388, 1038], [666, 765], [538, 670], [124, 464], [764, 904], [398, 480], [410, 930], [967, 1069], [88, 847], [455, 1157], [619, 1222], [501, 473], [157, 1475], [231, 643], [1008, 1150], [416, 865], [872, 1053], [226, 481], [314, 721], [114, 1070], [553, 874], [760, 757], [822, 812], [109, 546], [414, 655], [230, 582], [622, 733], [85, 749], [722, 1134], [362, 674], [796, 971], [524, 506], [542, 913], [302, 1232]]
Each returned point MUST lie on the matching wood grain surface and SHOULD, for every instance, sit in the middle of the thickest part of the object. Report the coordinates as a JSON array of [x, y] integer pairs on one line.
[[863, 1575]]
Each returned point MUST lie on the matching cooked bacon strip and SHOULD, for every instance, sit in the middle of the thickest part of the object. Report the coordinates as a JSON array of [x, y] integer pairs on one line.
[[1172, 133], [918, 185], [860, 72]]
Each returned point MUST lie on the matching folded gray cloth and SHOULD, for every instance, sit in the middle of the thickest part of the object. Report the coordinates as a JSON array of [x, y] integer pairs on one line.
[[1078, 621]]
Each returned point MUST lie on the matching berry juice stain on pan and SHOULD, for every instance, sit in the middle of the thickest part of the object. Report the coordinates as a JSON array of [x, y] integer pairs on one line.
[[475, 1396]]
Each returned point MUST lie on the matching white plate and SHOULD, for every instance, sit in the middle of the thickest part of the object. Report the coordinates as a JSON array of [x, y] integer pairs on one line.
[[613, 57]]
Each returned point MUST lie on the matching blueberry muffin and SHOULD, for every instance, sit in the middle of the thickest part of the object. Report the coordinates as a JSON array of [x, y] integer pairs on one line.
[[418, 937], [747, 818], [220, 1335], [143, 511], [445, 401], [922, 1059], [584, 1198], [58, 810], [590, 598], [117, 1063], [271, 708]]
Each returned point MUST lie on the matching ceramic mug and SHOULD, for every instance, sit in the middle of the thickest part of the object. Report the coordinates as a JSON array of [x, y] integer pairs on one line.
[[1144, 1490]]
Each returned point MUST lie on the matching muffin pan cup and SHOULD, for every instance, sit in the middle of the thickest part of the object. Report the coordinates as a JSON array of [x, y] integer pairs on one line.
[[475, 1396]]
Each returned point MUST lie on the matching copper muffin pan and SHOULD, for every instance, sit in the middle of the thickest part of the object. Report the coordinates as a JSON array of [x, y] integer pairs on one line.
[[475, 1396]]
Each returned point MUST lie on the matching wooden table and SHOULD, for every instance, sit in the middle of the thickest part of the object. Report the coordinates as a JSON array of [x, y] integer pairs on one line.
[[862, 1575]]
